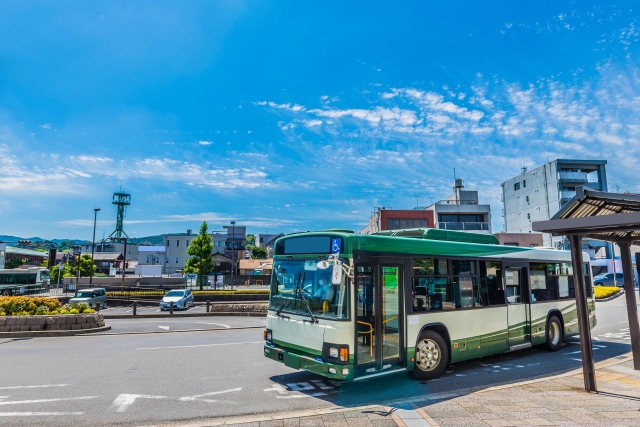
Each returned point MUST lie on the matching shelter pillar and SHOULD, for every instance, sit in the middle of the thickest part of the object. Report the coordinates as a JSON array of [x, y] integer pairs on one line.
[[632, 310], [584, 326]]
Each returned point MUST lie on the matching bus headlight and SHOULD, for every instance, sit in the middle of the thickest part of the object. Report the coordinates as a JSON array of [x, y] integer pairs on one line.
[[335, 353], [267, 335]]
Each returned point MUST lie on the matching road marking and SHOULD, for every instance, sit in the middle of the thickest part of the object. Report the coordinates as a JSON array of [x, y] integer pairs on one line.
[[321, 385], [18, 402], [300, 386], [299, 396], [33, 386], [277, 387], [123, 401], [213, 393], [37, 414], [219, 324], [166, 328], [199, 345]]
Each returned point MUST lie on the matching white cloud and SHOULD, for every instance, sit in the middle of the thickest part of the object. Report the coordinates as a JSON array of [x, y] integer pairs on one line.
[[203, 142], [45, 126]]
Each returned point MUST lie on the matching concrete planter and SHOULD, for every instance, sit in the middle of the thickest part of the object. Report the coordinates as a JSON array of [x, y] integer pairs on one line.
[[59, 322]]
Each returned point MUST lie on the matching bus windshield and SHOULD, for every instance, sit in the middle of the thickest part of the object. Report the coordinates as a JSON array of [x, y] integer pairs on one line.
[[298, 283]]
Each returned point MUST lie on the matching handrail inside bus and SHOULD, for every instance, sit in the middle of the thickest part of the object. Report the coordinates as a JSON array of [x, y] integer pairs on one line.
[[370, 332]]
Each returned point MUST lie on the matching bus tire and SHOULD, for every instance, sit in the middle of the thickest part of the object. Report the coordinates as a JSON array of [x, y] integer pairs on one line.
[[6, 292], [432, 356], [554, 334]]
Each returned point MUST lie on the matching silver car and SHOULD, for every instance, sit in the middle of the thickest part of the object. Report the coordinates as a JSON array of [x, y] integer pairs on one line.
[[182, 298], [94, 297]]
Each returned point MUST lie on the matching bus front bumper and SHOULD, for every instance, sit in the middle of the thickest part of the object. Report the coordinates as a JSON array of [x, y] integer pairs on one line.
[[317, 365]]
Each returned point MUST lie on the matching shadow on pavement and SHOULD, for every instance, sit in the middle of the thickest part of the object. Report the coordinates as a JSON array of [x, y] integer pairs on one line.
[[459, 379]]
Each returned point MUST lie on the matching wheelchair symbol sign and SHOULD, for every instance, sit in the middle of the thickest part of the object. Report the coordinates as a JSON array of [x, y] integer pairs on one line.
[[336, 246]]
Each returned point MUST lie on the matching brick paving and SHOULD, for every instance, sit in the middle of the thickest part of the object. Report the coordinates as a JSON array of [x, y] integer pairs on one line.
[[553, 401]]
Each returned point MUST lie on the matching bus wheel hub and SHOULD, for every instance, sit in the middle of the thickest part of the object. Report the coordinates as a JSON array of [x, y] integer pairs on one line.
[[428, 355]]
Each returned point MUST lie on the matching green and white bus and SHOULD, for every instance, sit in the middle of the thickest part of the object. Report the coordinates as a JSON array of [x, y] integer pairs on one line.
[[19, 281], [350, 307]]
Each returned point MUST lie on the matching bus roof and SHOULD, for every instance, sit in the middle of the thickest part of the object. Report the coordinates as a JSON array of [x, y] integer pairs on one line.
[[426, 242]]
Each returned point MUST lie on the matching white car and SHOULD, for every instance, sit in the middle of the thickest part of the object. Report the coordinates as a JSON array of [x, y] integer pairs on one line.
[[181, 298]]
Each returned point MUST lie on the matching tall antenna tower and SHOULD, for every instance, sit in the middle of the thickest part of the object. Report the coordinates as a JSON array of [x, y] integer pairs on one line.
[[121, 200]]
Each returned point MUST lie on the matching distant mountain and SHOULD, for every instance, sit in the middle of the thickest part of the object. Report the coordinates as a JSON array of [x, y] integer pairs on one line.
[[149, 240]]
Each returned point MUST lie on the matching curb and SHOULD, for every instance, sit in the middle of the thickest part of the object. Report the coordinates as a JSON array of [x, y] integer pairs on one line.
[[166, 316], [38, 334], [603, 364], [282, 416], [614, 296], [235, 328], [274, 417]]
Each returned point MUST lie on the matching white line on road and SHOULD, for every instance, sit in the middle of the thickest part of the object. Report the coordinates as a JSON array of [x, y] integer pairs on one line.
[[33, 386], [17, 402], [123, 401], [198, 396], [37, 414], [219, 324], [166, 328], [199, 345]]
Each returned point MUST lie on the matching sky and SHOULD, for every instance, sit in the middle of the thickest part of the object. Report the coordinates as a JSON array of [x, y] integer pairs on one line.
[[293, 116]]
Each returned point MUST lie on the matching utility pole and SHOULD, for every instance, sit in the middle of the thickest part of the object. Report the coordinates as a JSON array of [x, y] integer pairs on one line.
[[233, 258], [93, 244]]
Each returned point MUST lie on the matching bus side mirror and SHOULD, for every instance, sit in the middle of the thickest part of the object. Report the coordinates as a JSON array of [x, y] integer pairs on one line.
[[336, 275]]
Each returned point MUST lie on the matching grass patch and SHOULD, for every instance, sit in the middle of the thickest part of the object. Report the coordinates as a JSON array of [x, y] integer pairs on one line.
[[602, 292]]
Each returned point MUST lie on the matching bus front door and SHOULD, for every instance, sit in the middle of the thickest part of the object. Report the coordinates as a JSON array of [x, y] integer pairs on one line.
[[378, 317], [517, 311]]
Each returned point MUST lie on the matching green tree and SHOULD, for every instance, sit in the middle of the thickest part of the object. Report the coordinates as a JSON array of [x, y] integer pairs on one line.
[[251, 241], [259, 253], [14, 263], [86, 264], [200, 260], [55, 271]]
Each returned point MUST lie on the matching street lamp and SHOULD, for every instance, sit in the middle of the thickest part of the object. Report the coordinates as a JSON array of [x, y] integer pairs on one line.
[[233, 258], [93, 244]]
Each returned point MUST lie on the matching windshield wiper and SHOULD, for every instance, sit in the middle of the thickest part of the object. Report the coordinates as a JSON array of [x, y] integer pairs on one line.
[[287, 298], [313, 319]]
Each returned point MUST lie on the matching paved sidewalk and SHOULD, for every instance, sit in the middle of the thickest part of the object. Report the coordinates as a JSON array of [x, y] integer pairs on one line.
[[553, 401]]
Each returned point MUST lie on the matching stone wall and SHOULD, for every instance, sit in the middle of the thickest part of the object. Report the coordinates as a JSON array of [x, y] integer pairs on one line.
[[62, 322]]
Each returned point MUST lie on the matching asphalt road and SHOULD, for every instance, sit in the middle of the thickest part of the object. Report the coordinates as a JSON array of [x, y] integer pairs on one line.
[[122, 326], [170, 377]]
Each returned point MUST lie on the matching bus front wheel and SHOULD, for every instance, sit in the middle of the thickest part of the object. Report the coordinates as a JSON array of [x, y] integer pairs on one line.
[[554, 334], [6, 292], [432, 355]]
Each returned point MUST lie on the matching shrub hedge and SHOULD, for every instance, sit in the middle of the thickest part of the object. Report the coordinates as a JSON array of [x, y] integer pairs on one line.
[[602, 292], [208, 292], [29, 306]]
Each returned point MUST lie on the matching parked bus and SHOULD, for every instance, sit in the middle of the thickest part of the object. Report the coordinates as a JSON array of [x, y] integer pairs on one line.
[[351, 307], [20, 281]]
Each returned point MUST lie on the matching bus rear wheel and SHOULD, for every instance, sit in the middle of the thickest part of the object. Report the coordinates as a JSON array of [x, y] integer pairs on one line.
[[6, 292], [554, 334], [432, 356]]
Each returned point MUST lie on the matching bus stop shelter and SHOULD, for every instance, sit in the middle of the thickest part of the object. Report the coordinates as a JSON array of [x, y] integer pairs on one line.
[[604, 216]]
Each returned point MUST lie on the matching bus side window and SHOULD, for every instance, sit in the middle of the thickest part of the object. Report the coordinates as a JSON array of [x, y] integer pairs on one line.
[[491, 282]]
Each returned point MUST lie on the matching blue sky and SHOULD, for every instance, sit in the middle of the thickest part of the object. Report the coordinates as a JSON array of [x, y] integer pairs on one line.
[[291, 116]]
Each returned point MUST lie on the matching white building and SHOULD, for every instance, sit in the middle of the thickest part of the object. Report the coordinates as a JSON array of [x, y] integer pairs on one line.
[[266, 241], [150, 261], [3, 253], [176, 245], [461, 211], [538, 194]]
